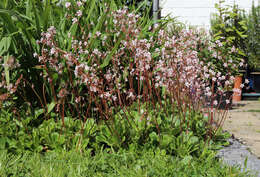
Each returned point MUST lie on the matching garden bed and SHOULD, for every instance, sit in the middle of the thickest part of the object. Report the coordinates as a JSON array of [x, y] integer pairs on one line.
[[104, 90]]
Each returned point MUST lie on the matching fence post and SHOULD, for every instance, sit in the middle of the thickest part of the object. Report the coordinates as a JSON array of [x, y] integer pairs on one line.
[[155, 10]]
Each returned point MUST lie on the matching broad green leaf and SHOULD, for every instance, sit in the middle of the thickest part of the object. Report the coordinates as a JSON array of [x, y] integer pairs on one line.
[[153, 136], [108, 58], [19, 123], [73, 29], [2, 143], [125, 73], [38, 112], [166, 140], [97, 28], [5, 44], [194, 139], [2, 42], [7, 74], [51, 106], [240, 52], [229, 29], [92, 6], [231, 38]]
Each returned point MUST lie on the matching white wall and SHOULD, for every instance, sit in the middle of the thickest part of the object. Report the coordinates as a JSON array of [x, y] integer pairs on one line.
[[197, 12]]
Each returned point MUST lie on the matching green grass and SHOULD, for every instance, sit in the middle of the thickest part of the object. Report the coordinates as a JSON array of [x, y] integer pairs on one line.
[[146, 163], [253, 110]]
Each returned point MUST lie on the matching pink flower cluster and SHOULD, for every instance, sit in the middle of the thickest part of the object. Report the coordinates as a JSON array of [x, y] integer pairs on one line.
[[137, 70], [9, 78]]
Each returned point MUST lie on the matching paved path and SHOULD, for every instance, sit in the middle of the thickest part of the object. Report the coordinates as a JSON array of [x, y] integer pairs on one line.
[[243, 122], [238, 154]]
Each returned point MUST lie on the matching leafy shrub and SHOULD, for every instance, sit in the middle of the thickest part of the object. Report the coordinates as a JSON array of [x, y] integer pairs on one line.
[[229, 28], [239, 29], [253, 39]]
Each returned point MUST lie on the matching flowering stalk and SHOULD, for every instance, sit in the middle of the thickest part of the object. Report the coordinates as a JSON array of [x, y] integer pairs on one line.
[[114, 65]]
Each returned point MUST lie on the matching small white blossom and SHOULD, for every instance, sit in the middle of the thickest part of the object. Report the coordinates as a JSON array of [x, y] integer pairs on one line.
[[208, 93], [79, 3], [79, 13], [35, 55], [67, 4], [52, 51], [98, 33], [225, 65], [74, 20]]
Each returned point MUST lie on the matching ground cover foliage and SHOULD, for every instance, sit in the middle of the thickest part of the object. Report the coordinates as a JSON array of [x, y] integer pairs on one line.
[[104, 89], [130, 163]]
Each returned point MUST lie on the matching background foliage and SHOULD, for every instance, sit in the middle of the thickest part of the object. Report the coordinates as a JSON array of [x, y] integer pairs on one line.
[[240, 29]]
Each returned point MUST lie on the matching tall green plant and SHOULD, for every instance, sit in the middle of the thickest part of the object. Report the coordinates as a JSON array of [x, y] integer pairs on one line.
[[228, 26], [22, 23], [253, 39]]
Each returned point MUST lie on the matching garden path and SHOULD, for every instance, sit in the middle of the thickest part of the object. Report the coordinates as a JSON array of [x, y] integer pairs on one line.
[[243, 122]]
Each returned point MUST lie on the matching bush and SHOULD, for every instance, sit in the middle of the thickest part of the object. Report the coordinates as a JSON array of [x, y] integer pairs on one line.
[[253, 39], [239, 29], [229, 28]]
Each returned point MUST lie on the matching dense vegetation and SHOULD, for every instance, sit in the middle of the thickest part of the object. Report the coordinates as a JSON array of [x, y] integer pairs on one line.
[[240, 29], [94, 88]]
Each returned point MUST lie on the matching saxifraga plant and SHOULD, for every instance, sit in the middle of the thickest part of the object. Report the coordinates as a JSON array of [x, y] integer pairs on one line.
[[107, 72], [23, 22], [109, 62]]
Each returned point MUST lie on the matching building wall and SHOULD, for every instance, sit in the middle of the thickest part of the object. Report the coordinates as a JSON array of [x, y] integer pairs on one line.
[[197, 12]]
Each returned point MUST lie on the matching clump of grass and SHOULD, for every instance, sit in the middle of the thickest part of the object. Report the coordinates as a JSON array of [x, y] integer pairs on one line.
[[144, 163], [253, 110]]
